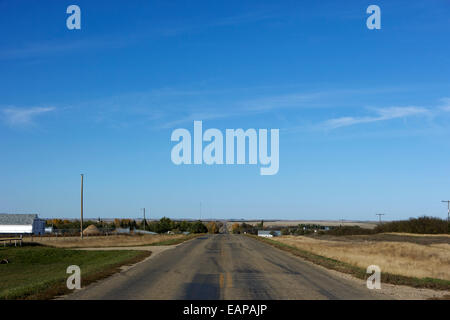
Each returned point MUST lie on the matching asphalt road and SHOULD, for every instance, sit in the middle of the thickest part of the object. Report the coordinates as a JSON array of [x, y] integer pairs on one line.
[[225, 267]]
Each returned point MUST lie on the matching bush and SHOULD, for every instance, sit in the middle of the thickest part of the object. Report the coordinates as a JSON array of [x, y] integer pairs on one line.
[[165, 224], [347, 231], [197, 227], [213, 227], [423, 225], [244, 228]]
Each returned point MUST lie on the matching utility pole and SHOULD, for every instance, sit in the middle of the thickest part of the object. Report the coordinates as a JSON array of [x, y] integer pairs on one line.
[[448, 212], [81, 221], [379, 215], [144, 217], [200, 211]]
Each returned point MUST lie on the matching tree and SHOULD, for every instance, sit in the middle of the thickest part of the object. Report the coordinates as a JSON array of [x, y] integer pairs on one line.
[[247, 228], [260, 225], [165, 224], [198, 227], [213, 227], [183, 226]]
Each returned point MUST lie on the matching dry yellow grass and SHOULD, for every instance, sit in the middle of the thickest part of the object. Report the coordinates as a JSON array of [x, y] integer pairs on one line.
[[106, 241], [419, 235], [402, 258]]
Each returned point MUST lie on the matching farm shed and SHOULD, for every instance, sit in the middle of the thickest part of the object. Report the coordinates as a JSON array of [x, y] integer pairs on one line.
[[268, 234], [21, 224]]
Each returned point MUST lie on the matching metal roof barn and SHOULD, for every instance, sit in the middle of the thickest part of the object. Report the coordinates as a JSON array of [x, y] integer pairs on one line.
[[21, 224]]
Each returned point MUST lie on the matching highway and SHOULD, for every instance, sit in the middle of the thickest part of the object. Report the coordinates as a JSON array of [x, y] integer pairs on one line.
[[225, 266]]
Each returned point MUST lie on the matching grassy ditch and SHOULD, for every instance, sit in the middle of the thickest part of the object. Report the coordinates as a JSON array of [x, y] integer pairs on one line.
[[355, 271], [37, 272]]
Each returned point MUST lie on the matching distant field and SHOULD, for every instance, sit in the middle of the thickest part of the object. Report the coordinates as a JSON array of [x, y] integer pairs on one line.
[[420, 257], [425, 239], [36, 272], [291, 223], [113, 240]]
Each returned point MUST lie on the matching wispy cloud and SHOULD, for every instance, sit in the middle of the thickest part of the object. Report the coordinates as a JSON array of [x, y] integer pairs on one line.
[[57, 47], [176, 28], [24, 116], [169, 107], [198, 116], [44, 48], [248, 17], [382, 114], [293, 100], [445, 104], [247, 107]]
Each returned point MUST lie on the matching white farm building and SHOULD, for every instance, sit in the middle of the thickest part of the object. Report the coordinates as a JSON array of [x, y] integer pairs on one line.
[[21, 224], [268, 234]]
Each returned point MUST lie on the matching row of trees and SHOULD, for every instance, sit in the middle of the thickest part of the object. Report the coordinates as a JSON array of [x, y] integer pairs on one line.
[[162, 226], [348, 231], [421, 225], [303, 229], [214, 227], [165, 224], [430, 225], [237, 228], [59, 224]]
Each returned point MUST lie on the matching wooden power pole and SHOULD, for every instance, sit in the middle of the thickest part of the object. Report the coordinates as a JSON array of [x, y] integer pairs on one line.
[[379, 215], [144, 222], [81, 221]]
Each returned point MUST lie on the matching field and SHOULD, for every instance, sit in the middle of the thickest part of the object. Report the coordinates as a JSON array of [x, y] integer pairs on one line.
[[37, 272], [405, 254], [330, 223], [112, 241]]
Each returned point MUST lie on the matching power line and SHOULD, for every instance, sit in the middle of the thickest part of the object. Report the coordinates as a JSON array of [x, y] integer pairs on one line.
[[379, 215], [448, 212]]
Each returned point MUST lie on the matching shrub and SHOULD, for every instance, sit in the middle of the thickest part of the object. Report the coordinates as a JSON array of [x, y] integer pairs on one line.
[[424, 225], [347, 231]]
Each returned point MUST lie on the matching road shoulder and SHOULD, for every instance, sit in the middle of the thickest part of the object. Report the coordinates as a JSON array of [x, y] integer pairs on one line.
[[394, 291]]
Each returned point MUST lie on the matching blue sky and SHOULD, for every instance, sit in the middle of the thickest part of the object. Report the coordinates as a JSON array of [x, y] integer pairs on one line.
[[363, 114]]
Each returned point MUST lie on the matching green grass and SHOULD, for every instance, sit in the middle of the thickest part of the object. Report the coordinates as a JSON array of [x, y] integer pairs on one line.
[[37, 272], [355, 271]]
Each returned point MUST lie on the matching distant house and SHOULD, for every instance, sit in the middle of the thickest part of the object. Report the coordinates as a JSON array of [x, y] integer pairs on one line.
[[143, 231], [122, 230], [269, 233], [21, 224], [48, 229]]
